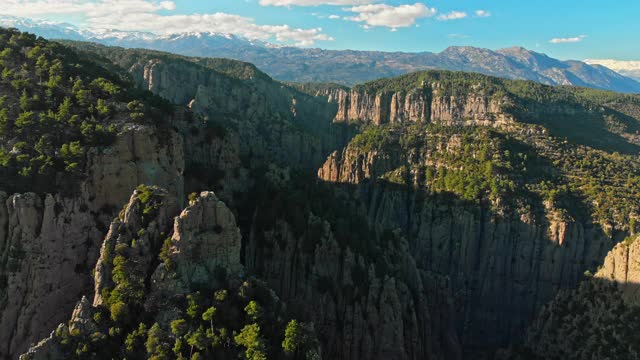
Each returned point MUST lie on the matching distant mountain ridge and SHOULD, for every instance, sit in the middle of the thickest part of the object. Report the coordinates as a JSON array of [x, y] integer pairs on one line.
[[346, 67]]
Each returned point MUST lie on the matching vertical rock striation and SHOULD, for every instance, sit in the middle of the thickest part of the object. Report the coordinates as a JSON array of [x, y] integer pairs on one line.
[[503, 264], [205, 241], [205, 237], [271, 122], [360, 309], [427, 104], [622, 266], [49, 243]]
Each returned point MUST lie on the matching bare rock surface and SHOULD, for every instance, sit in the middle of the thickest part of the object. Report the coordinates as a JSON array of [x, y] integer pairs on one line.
[[49, 243]]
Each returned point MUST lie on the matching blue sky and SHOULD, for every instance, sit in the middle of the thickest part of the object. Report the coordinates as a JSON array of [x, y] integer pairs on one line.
[[566, 29]]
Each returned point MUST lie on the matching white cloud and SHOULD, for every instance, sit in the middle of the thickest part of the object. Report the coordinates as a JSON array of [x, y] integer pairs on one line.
[[334, 17], [482, 13], [156, 16], [626, 68], [617, 65], [36, 8], [454, 15], [390, 16], [574, 39], [314, 2]]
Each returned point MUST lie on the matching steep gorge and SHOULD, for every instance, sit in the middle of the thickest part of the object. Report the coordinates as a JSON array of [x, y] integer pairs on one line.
[[506, 255]]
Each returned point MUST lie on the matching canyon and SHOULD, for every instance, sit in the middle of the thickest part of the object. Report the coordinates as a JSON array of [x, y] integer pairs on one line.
[[435, 215]]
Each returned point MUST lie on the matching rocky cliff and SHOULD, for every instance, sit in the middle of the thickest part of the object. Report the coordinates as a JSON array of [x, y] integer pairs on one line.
[[505, 256], [141, 225], [152, 280], [422, 238], [363, 290], [621, 266], [597, 320], [50, 242], [205, 242], [352, 166], [503, 267], [427, 103], [271, 121]]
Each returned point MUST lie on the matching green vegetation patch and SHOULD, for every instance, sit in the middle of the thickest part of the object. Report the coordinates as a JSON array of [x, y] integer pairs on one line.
[[55, 105]]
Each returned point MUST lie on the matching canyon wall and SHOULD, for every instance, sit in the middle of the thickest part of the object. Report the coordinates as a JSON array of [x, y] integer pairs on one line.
[[503, 263], [426, 104], [49, 243], [271, 122]]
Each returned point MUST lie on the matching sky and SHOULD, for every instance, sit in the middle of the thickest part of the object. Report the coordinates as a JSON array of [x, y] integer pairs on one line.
[[565, 29]]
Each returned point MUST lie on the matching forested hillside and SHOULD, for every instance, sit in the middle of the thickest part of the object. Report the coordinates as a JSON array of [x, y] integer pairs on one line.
[[56, 106]]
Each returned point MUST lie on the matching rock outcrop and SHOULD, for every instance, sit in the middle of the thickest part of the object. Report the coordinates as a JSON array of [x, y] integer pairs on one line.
[[353, 166], [426, 104], [49, 243], [205, 245], [361, 309], [622, 266], [140, 155], [141, 227], [205, 239], [599, 319]]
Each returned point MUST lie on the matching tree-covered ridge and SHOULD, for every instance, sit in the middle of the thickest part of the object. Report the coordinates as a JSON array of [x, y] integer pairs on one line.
[[54, 106], [485, 164], [125, 58], [475, 163], [240, 320], [282, 105], [596, 118], [453, 83], [315, 89], [627, 104], [609, 183]]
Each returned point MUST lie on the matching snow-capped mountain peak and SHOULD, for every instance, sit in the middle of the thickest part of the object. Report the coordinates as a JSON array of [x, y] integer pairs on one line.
[[101, 34]]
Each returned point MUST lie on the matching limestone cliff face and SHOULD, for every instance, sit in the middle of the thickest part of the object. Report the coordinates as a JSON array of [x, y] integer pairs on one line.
[[503, 264], [268, 120], [503, 267], [134, 227], [153, 74], [622, 266], [353, 166], [49, 243], [140, 155], [596, 320], [205, 240], [429, 103], [205, 236], [359, 310]]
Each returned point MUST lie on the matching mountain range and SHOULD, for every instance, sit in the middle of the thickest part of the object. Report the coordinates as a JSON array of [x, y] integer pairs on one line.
[[346, 67]]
